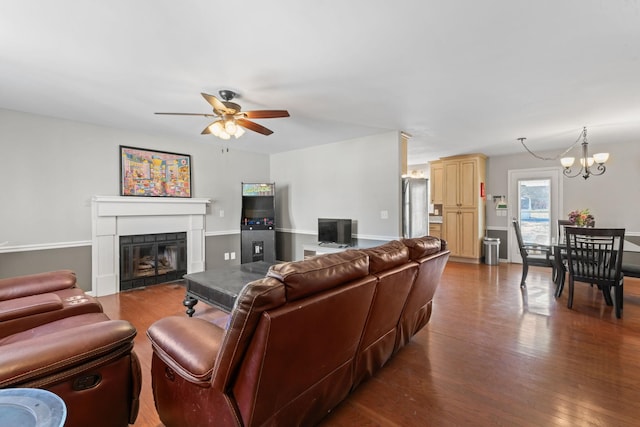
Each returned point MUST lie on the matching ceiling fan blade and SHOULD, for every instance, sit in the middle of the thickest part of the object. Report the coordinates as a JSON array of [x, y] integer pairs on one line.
[[188, 114], [218, 107], [254, 126], [265, 114], [207, 130]]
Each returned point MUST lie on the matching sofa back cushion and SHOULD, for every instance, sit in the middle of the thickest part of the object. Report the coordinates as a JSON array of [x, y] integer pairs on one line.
[[386, 256], [34, 284], [417, 310], [253, 300], [420, 247], [380, 333], [313, 275], [299, 364]]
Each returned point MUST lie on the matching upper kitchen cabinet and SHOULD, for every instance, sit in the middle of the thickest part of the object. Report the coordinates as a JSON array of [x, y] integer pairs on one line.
[[462, 178], [437, 182]]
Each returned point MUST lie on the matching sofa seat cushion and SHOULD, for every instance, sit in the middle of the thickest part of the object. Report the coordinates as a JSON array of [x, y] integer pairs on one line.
[[386, 256], [313, 275], [188, 345], [421, 247]]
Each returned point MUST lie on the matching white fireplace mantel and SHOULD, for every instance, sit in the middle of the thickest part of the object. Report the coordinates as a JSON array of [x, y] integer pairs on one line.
[[114, 216]]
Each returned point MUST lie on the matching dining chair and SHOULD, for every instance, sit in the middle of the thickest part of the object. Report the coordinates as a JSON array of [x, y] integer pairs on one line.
[[532, 254], [560, 255], [594, 256], [562, 223]]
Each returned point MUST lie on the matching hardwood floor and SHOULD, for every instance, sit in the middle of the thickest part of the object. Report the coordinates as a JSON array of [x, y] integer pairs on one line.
[[491, 355]]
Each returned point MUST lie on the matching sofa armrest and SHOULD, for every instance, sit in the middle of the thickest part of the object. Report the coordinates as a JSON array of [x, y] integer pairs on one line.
[[188, 345], [28, 306], [32, 284], [30, 359]]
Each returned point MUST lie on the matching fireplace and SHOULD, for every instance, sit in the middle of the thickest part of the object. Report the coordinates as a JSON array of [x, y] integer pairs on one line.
[[114, 217], [149, 259]]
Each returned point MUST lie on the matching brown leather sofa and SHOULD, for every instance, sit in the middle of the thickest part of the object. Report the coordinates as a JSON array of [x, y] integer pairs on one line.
[[32, 300], [297, 341], [54, 337]]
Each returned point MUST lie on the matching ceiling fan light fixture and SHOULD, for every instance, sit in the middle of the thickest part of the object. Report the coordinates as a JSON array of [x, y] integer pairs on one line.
[[230, 121], [230, 126], [216, 128]]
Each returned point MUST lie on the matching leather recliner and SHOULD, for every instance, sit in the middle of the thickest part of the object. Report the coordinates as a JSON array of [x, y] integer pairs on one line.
[[54, 337], [87, 360], [33, 300]]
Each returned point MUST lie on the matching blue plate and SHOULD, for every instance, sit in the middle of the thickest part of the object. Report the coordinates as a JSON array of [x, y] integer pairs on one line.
[[31, 407]]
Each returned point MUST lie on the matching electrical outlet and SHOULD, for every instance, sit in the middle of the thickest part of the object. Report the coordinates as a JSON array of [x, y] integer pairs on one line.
[[384, 214], [221, 213], [233, 255], [226, 256]]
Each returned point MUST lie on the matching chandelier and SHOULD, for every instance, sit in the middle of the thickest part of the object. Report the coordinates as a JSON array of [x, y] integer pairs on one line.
[[226, 127], [586, 162]]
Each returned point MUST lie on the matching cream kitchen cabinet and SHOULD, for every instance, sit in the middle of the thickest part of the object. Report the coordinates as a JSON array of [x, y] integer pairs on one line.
[[435, 230], [463, 205], [460, 230], [462, 178], [436, 182]]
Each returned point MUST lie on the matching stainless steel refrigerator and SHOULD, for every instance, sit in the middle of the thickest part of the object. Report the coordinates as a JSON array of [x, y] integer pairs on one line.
[[415, 207]]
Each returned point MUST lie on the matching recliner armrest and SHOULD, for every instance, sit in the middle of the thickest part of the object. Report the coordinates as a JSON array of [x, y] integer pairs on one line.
[[30, 359], [188, 345], [27, 306], [32, 284]]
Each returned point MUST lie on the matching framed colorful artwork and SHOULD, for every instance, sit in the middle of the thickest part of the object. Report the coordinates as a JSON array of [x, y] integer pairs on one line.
[[150, 173]]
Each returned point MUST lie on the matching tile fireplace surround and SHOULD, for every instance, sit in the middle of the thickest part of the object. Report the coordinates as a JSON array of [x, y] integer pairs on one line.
[[114, 216]]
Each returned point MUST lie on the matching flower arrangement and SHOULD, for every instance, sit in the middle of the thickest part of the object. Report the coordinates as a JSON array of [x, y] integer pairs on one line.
[[582, 218]]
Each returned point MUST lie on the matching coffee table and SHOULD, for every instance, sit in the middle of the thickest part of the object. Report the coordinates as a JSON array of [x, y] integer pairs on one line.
[[220, 287]]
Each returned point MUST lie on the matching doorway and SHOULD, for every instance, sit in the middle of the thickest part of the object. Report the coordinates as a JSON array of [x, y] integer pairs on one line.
[[535, 197]]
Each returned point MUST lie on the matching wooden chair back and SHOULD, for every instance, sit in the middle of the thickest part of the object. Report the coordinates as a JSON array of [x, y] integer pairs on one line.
[[594, 255]]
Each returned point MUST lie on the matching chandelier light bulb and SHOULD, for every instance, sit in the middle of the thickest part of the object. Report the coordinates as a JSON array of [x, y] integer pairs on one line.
[[589, 161], [567, 162], [224, 135], [601, 158]]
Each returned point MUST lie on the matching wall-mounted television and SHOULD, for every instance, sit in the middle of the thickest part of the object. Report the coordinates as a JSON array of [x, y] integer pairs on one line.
[[334, 231]]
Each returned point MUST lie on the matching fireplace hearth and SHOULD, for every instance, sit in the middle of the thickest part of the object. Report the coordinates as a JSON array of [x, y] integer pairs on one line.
[[150, 259]]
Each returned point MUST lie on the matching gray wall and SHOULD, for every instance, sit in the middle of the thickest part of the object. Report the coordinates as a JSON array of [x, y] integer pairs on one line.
[[357, 179], [52, 168], [613, 198]]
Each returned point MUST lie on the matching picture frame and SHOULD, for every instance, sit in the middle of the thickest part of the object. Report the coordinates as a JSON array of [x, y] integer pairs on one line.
[[153, 173]]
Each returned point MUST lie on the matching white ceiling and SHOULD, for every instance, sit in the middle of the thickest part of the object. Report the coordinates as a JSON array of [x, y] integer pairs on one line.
[[459, 75]]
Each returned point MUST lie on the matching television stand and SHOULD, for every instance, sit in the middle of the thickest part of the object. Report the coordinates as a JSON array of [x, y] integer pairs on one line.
[[333, 245], [324, 248]]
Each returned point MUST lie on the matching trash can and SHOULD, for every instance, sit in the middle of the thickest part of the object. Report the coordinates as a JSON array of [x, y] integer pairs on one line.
[[491, 250]]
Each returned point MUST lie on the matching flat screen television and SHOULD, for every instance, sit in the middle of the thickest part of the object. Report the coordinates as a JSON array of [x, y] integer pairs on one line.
[[336, 231]]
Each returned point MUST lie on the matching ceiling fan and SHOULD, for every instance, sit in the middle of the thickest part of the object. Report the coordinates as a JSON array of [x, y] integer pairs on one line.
[[230, 120]]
